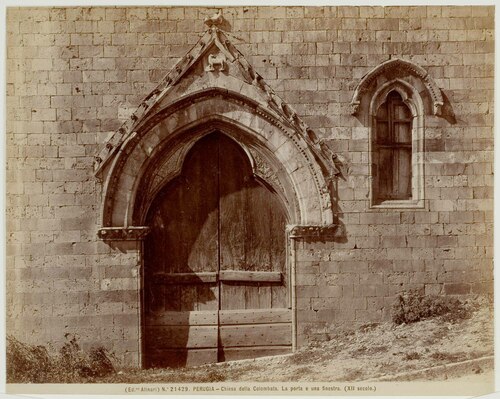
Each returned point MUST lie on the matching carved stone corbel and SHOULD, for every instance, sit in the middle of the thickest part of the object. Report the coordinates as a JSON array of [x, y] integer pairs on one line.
[[311, 232], [131, 233]]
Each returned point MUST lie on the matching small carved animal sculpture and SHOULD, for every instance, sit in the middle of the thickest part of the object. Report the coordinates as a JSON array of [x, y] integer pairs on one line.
[[216, 61]]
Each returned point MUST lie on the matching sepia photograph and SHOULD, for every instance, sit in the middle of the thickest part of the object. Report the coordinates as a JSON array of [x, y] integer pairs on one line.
[[249, 199]]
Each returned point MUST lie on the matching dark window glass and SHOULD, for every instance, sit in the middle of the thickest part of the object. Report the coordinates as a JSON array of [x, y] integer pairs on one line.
[[392, 150]]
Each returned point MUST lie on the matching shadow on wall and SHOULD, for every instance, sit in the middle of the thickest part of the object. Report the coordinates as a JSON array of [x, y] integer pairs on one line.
[[447, 110], [338, 234], [341, 235], [180, 266]]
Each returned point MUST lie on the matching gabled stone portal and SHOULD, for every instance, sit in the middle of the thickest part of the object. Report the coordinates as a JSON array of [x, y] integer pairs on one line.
[[213, 87]]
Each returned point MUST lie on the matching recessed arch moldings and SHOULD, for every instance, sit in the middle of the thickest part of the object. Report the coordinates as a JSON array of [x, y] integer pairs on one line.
[[153, 154], [213, 85], [407, 92], [393, 69], [170, 161]]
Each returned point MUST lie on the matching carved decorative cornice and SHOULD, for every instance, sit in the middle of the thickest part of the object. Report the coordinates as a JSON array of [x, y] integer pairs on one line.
[[131, 233], [316, 232], [398, 67]]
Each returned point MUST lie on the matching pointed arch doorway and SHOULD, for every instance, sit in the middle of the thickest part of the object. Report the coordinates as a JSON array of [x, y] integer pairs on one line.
[[216, 281]]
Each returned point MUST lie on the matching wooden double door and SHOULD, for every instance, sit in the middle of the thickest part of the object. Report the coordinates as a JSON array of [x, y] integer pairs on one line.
[[216, 285]]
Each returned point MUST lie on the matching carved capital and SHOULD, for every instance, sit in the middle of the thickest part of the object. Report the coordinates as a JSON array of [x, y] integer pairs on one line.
[[131, 233], [316, 232]]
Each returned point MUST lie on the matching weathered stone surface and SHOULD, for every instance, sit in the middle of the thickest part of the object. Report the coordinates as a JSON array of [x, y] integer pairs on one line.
[[75, 74]]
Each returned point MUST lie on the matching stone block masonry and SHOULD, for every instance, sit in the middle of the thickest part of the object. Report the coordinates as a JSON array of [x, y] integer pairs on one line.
[[75, 74]]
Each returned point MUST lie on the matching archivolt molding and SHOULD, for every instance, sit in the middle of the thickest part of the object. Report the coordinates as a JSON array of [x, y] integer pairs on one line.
[[227, 53], [407, 92], [138, 173], [263, 169], [166, 162], [398, 68], [147, 151]]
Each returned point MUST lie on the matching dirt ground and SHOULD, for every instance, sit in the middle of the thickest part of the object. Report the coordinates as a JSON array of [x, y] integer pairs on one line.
[[371, 352]]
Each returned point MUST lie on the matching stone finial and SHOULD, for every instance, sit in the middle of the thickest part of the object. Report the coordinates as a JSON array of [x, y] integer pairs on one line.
[[214, 20]]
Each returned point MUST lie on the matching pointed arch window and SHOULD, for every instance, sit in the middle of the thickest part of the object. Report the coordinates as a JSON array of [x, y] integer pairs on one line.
[[396, 146], [389, 100], [392, 150]]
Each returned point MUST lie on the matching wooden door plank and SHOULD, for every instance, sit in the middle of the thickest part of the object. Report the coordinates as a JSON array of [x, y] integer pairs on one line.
[[279, 296], [265, 300], [208, 297], [181, 357], [227, 354], [252, 295], [155, 298], [189, 297], [255, 335], [259, 225], [255, 316], [182, 337], [252, 234], [232, 296], [183, 238], [171, 296], [251, 276], [185, 278], [186, 318], [198, 205]]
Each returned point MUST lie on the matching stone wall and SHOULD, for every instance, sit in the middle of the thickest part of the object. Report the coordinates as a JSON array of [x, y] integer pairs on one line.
[[75, 74]]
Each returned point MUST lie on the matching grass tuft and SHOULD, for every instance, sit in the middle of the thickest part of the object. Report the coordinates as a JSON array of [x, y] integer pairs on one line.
[[412, 306], [34, 364], [412, 356]]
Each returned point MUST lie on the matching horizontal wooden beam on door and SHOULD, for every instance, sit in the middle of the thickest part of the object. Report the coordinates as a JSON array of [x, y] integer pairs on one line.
[[185, 317], [182, 337], [255, 335], [224, 317], [185, 278], [254, 316], [213, 277], [257, 276]]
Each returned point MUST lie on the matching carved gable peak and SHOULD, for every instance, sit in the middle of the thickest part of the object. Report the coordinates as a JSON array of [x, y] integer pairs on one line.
[[213, 63]]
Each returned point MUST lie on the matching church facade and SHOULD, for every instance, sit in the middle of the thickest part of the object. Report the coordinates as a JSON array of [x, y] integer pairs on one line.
[[188, 185]]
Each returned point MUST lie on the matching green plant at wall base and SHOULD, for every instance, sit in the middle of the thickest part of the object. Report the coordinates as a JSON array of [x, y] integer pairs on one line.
[[34, 364], [412, 306]]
